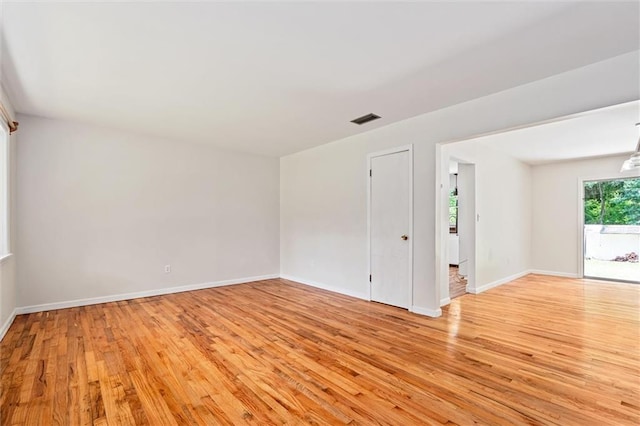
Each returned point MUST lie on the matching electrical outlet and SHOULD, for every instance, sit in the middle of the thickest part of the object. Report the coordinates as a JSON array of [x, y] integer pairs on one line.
[[167, 269]]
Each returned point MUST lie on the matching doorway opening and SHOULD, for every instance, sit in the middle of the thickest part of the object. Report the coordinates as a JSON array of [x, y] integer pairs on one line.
[[457, 227], [611, 229], [457, 281]]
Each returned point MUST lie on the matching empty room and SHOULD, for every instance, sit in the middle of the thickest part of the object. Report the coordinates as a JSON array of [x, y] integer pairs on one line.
[[396, 213]]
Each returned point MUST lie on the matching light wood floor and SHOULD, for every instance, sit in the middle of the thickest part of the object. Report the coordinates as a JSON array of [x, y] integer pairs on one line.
[[539, 350], [457, 284]]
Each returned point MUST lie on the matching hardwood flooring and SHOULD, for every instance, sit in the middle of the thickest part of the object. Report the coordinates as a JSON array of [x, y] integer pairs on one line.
[[539, 350], [457, 284]]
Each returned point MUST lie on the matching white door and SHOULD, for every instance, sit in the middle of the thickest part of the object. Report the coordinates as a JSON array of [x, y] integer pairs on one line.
[[390, 227]]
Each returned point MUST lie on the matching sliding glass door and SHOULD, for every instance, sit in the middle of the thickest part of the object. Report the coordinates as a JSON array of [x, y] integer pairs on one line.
[[612, 229]]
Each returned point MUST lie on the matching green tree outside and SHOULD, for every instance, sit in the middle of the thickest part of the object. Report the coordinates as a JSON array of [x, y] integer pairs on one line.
[[612, 202]]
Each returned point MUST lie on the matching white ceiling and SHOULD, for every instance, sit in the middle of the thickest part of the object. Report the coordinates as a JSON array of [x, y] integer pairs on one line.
[[603, 132], [278, 77]]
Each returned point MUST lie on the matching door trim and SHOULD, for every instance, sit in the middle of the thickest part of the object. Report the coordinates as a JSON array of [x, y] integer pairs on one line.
[[370, 157]]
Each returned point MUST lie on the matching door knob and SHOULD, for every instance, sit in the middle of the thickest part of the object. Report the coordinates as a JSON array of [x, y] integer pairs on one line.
[[405, 237]]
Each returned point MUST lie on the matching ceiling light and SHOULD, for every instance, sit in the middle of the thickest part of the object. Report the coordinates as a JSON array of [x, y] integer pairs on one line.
[[633, 163], [365, 119]]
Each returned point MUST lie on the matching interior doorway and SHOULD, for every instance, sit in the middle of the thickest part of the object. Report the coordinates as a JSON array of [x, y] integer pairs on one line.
[[457, 281], [611, 229], [456, 227]]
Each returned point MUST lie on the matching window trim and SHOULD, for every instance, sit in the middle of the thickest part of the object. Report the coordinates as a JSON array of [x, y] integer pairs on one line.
[[5, 237]]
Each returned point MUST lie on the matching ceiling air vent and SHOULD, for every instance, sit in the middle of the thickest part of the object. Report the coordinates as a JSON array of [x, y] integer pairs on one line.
[[365, 119]]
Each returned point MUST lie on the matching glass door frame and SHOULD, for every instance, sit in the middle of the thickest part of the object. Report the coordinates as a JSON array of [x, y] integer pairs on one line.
[[581, 224]]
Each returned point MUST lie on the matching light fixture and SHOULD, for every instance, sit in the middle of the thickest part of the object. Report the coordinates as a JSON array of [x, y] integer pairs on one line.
[[633, 162]]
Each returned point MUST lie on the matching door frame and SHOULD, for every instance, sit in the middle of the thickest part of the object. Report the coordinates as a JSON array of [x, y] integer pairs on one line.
[[581, 181], [408, 148]]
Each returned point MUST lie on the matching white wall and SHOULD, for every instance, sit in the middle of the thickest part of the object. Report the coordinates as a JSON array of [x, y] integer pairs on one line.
[[320, 185], [503, 201], [8, 264], [609, 245], [311, 214], [555, 244], [102, 211]]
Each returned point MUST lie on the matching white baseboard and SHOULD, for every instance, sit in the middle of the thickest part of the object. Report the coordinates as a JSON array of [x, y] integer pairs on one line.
[[445, 301], [497, 283], [415, 309], [136, 295], [554, 273], [7, 324], [333, 289], [426, 311]]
